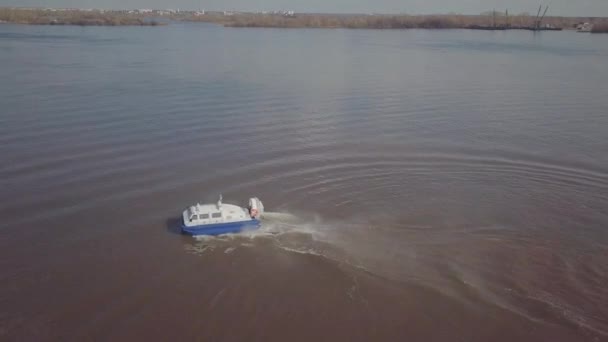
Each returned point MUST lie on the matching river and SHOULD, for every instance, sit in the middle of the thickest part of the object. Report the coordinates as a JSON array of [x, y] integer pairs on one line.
[[427, 185]]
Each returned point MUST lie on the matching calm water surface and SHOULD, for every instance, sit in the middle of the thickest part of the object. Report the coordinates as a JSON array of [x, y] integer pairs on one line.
[[432, 185]]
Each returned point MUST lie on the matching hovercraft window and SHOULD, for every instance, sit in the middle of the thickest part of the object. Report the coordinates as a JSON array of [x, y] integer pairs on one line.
[[216, 215], [193, 217], [204, 216]]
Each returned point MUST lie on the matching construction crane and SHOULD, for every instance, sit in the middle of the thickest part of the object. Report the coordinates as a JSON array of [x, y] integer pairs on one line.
[[537, 15], [541, 18]]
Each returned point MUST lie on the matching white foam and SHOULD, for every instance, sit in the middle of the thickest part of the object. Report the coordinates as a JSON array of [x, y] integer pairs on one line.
[[309, 251], [199, 249]]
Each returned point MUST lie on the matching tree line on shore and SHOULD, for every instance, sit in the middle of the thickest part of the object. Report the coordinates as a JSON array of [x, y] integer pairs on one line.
[[352, 21], [72, 17], [600, 28], [360, 21]]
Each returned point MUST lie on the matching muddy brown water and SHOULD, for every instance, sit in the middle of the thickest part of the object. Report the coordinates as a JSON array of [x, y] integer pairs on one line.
[[426, 185]]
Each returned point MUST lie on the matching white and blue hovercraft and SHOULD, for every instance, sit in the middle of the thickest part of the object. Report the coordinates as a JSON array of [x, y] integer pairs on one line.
[[219, 218]]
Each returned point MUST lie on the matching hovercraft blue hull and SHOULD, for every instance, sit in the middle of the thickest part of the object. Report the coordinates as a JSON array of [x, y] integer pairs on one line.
[[221, 228]]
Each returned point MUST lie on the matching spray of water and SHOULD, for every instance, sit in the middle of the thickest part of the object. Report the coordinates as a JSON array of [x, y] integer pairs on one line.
[[443, 258], [302, 234]]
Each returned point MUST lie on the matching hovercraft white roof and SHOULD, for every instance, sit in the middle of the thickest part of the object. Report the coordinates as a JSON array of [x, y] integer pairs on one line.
[[201, 214]]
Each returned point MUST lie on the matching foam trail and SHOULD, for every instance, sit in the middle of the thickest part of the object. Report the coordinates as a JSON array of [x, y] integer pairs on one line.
[[276, 216], [279, 223]]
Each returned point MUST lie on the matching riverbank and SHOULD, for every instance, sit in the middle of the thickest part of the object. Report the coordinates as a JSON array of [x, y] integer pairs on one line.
[[491, 21], [74, 17], [375, 21], [600, 28]]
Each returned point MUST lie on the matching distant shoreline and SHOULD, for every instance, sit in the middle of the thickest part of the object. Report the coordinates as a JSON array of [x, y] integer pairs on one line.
[[493, 21], [73, 17], [489, 21]]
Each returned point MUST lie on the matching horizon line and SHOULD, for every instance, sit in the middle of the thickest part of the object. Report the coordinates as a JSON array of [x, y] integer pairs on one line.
[[278, 10]]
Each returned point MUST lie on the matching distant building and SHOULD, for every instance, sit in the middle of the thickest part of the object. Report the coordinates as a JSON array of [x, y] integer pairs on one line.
[[584, 27]]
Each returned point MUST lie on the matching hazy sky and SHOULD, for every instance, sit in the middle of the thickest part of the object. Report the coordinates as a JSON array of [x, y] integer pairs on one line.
[[557, 7]]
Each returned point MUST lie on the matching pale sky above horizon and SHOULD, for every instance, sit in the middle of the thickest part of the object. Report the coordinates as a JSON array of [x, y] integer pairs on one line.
[[556, 7]]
